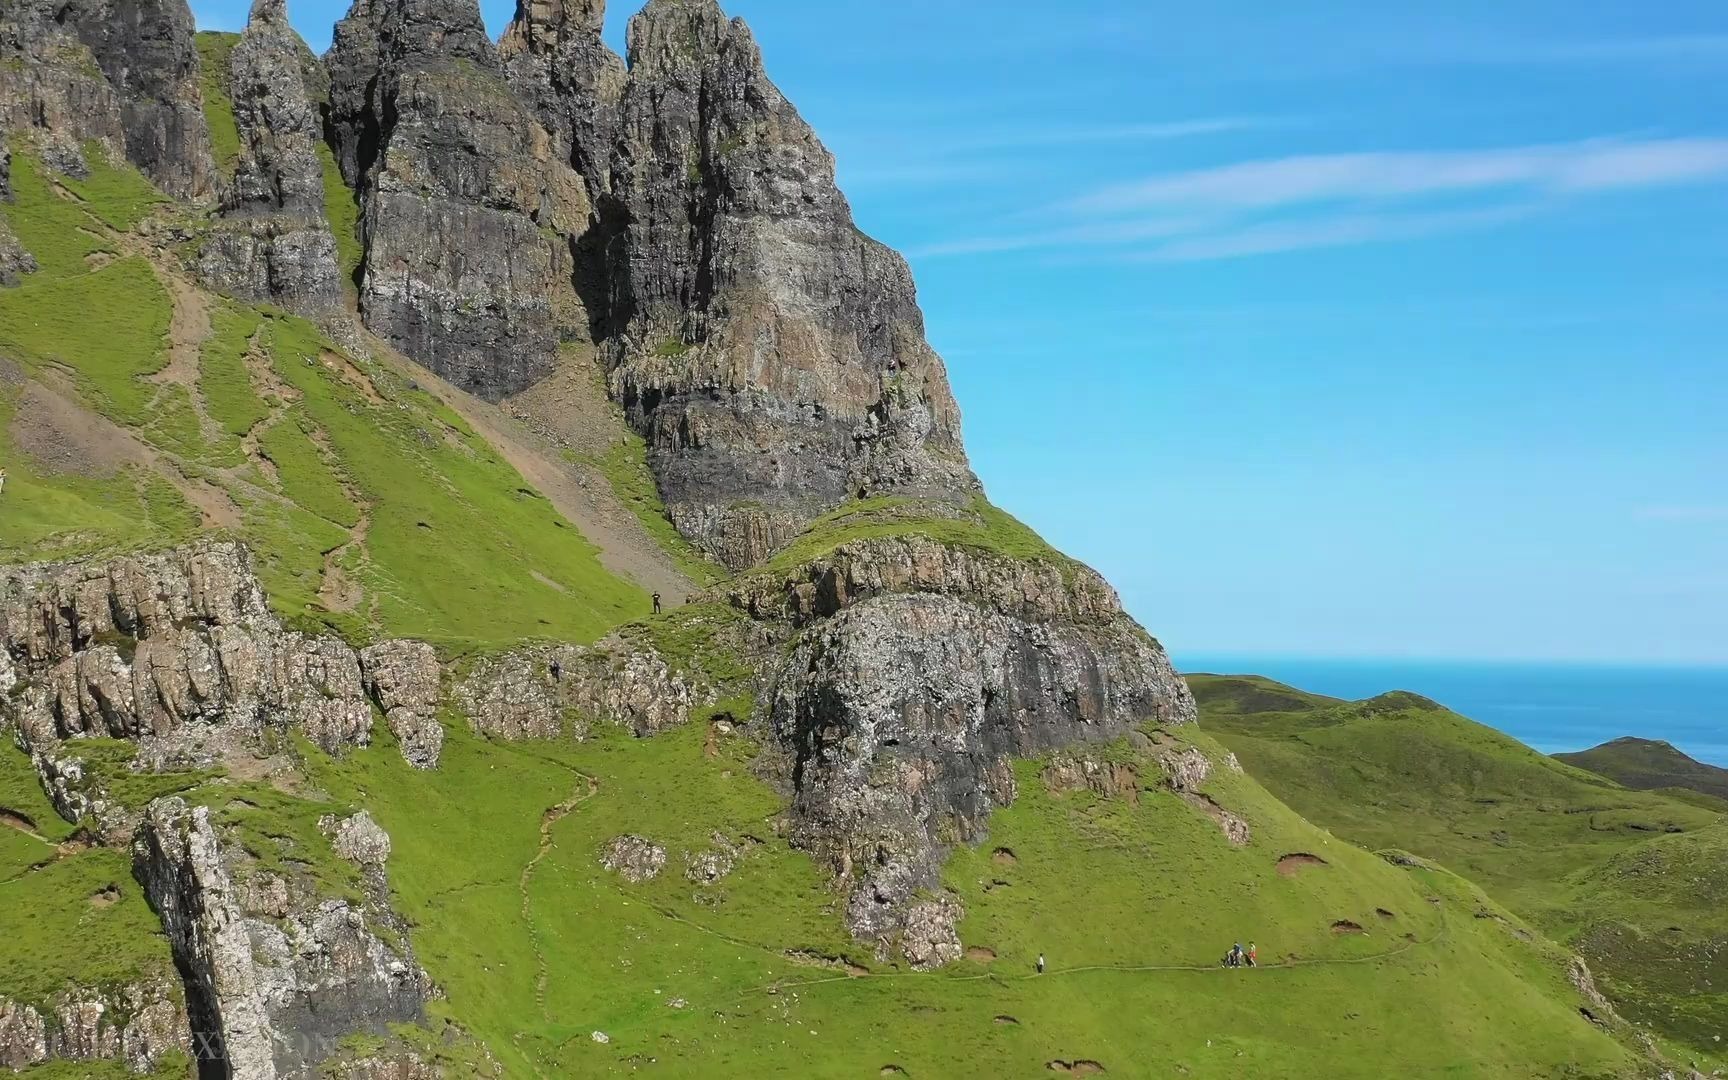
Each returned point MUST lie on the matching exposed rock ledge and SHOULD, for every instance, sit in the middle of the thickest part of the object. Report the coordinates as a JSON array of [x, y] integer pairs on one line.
[[179, 651], [137, 1024]]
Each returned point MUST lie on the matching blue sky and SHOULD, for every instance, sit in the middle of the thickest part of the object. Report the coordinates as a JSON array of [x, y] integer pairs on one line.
[[1346, 332]]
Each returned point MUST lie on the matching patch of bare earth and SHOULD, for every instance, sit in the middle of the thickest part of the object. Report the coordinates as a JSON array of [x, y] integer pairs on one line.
[[979, 954], [1294, 863], [61, 436], [1345, 926]]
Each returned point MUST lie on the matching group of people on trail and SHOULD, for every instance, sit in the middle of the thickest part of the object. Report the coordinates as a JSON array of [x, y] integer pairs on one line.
[[1240, 957]]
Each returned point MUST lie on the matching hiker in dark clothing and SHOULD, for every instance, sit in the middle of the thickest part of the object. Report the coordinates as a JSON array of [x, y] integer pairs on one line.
[[656, 603], [557, 672]]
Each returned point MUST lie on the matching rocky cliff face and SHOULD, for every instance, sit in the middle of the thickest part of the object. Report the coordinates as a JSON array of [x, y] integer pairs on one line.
[[179, 651], [136, 1024], [273, 242], [276, 974], [773, 354], [913, 674], [467, 210], [120, 72], [680, 214]]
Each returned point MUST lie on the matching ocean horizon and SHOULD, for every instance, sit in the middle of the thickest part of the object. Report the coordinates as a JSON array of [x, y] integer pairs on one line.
[[1552, 707]]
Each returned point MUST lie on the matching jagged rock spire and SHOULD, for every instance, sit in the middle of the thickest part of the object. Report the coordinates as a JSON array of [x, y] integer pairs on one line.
[[274, 242], [773, 355], [541, 26]]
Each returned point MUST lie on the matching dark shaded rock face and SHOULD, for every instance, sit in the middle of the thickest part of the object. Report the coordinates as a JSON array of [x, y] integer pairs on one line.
[[911, 676], [467, 210], [274, 242], [51, 89], [555, 60], [773, 355], [123, 72]]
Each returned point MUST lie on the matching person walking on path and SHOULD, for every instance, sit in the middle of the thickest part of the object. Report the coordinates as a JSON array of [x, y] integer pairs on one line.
[[656, 603], [1253, 955], [1040, 963]]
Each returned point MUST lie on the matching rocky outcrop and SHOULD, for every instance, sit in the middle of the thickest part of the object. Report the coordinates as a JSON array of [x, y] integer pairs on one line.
[[405, 679], [633, 858], [123, 73], [546, 692], [179, 652], [15, 262], [276, 973], [137, 1024], [773, 355], [1049, 589], [467, 209], [556, 62], [273, 242], [51, 91], [912, 675]]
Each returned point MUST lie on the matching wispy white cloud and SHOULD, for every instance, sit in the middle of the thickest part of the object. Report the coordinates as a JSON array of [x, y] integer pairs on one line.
[[1313, 201], [1347, 230], [971, 153], [1112, 234], [1314, 178], [1149, 132]]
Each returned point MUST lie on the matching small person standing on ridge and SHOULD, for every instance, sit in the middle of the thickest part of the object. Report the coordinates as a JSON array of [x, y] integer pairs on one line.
[[1040, 963], [656, 603]]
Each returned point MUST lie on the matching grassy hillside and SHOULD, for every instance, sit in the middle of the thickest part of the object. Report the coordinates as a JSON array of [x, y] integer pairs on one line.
[[372, 508], [375, 510], [1611, 871], [1132, 901], [1649, 765]]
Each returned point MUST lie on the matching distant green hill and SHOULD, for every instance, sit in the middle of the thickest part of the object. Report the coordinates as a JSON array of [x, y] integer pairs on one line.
[[1651, 765], [1631, 879]]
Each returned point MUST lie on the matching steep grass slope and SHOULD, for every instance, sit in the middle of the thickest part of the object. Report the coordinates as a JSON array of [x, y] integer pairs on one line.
[[1619, 874], [372, 507]]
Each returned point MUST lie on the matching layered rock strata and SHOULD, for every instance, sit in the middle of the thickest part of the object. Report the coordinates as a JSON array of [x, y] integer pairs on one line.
[[277, 974]]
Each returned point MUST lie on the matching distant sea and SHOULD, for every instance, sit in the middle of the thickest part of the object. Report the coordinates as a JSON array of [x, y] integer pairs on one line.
[[1552, 707]]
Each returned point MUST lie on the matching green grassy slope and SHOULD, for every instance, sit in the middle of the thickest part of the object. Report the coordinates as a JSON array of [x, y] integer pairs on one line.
[[372, 508], [1649, 765], [1554, 843], [538, 946]]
